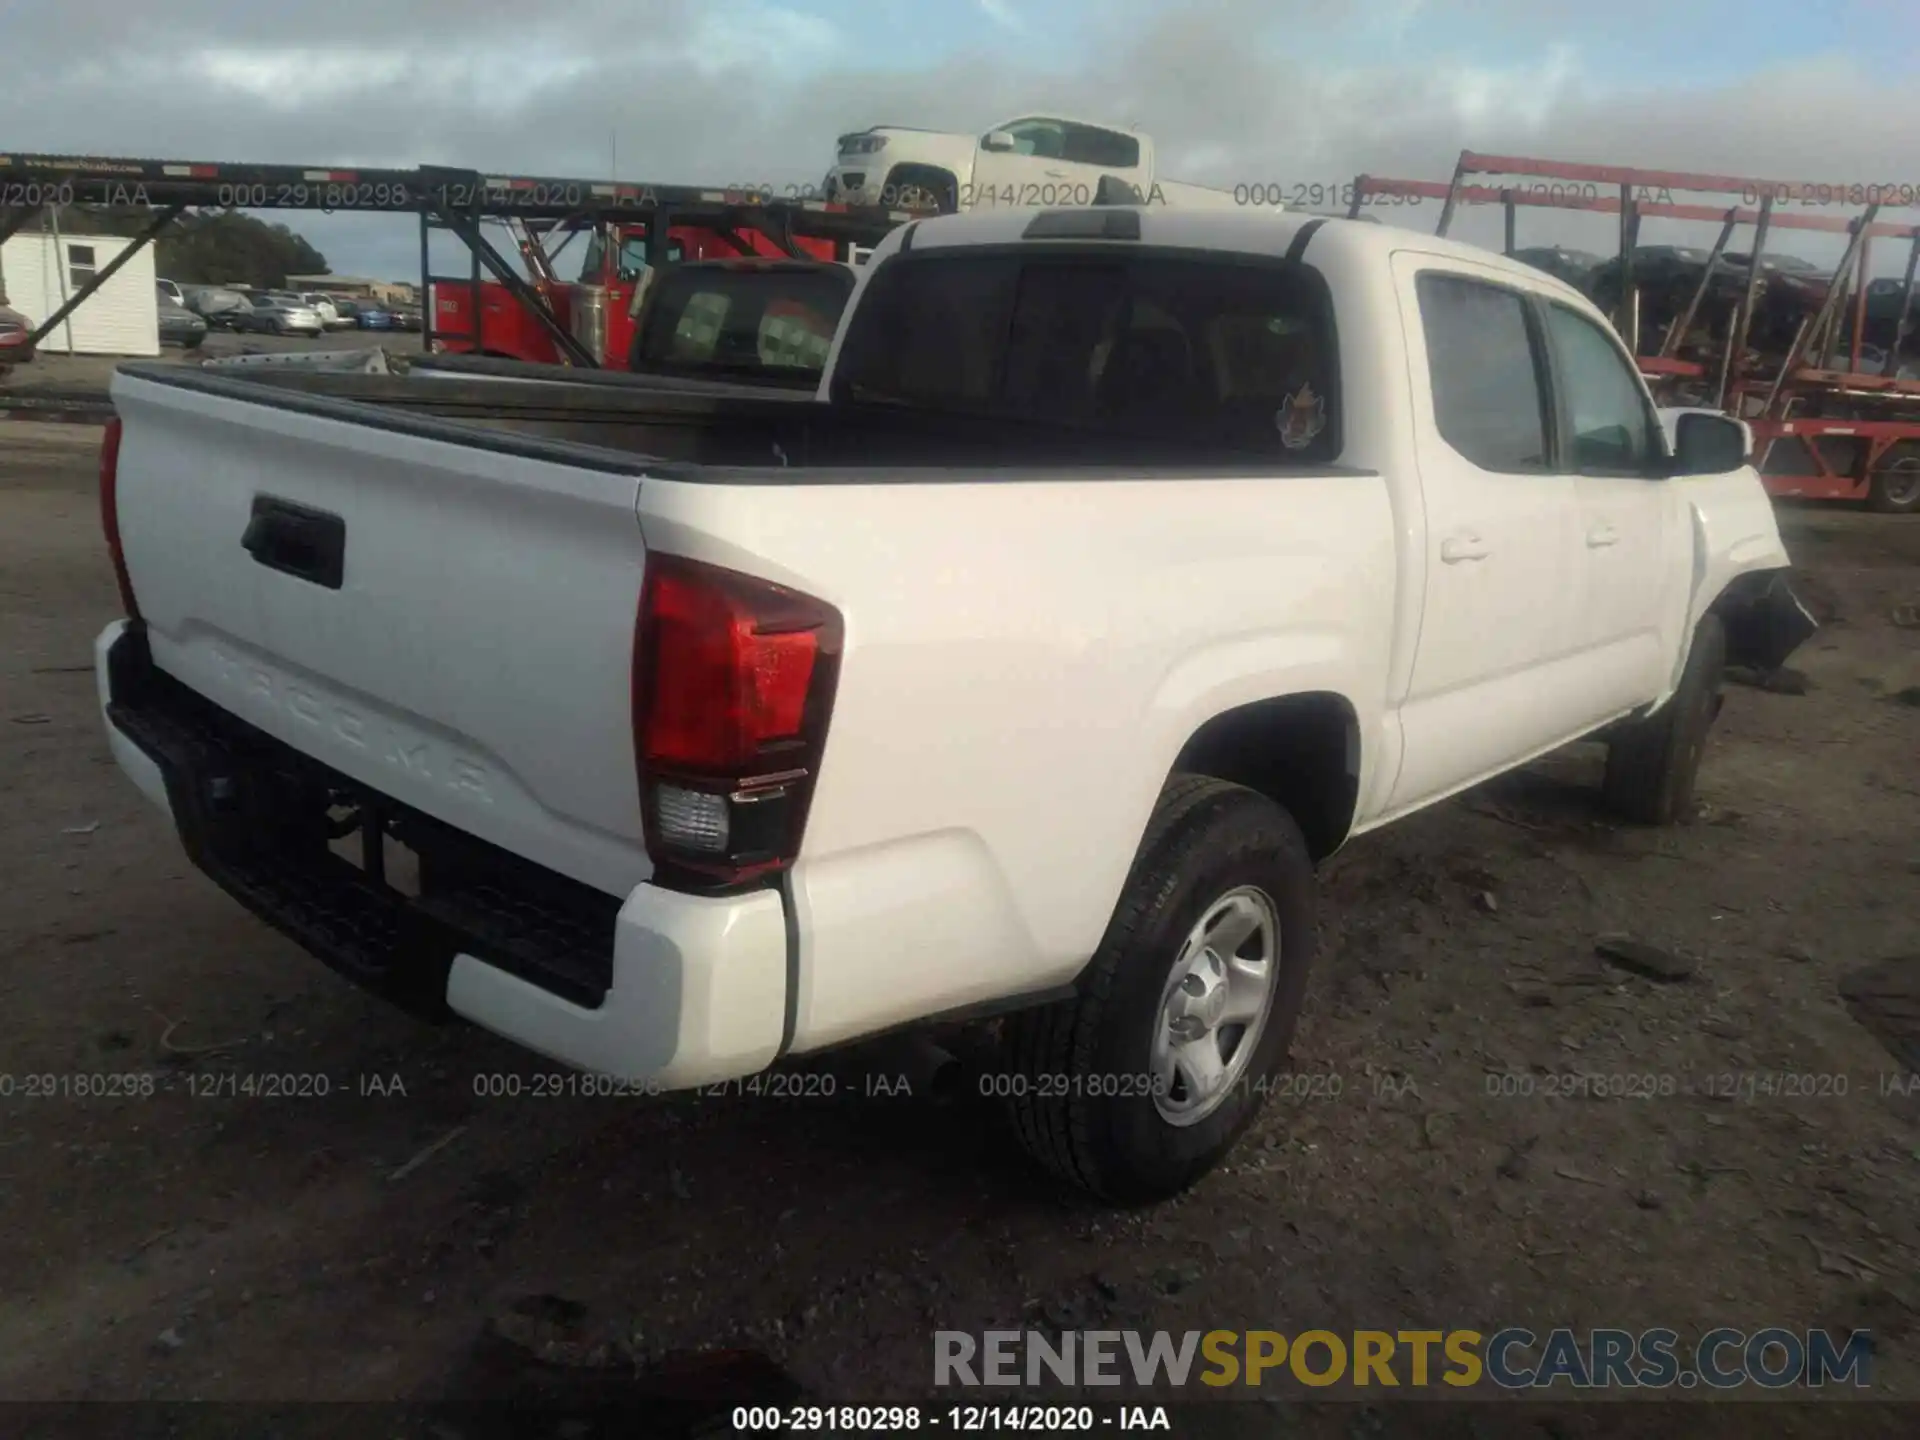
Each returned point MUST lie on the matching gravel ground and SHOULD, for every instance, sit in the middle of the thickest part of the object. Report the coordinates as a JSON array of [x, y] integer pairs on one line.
[[404, 1237]]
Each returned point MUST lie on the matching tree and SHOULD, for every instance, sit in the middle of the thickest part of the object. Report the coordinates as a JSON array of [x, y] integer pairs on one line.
[[209, 247]]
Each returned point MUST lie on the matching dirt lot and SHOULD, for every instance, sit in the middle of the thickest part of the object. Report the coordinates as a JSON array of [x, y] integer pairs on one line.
[[394, 1237]]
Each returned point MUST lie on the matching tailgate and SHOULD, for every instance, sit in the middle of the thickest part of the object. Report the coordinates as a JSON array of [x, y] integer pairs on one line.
[[451, 624]]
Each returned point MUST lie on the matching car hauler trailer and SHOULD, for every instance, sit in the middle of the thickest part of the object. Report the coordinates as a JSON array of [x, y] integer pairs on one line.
[[600, 310], [1831, 420], [637, 227]]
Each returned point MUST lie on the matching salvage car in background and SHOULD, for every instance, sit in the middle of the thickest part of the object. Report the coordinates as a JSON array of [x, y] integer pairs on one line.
[[1667, 278], [323, 305], [277, 315], [16, 337], [1883, 310], [1573, 266], [179, 325], [218, 305], [1665, 275], [1035, 160]]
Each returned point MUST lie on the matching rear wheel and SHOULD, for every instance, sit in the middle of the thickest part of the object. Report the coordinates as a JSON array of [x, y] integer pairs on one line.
[[1652, 762], [1895, 487], [1142, 1082], [913, 189]]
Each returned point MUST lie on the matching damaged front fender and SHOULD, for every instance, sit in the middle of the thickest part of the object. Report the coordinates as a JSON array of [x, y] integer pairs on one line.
[[1764, 620]]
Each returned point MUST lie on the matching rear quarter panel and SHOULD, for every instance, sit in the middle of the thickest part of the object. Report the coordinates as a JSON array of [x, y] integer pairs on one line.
[[1024, 661]]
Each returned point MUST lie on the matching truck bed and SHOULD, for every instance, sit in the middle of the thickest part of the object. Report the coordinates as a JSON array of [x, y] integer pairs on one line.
[[635, 427]]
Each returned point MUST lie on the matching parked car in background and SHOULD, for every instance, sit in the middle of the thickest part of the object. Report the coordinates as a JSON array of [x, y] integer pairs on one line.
[[323, 306], [406, 317], [277, 315], [1572, 266], [1034, 160], [171, 289], [16, 337], [218, 305], [373, 317], [1787, 278], [179, 325], [345, 312], [1883, 309]]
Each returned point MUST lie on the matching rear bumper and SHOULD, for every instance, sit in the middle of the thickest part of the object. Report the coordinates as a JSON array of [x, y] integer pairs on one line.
[[670, 989]]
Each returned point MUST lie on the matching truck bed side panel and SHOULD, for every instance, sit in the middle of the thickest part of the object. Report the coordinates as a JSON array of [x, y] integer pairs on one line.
[[1024, 660]]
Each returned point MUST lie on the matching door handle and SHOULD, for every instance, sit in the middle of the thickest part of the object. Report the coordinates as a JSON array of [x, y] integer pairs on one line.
[[1056, 174], [1602, 536], [1462, 547], [297, 540]]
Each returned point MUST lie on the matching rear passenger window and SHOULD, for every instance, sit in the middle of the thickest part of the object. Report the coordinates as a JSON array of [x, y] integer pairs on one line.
[[1487, 399]]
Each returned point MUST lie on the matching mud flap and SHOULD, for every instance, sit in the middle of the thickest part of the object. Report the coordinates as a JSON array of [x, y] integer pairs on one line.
[[1765, 621]]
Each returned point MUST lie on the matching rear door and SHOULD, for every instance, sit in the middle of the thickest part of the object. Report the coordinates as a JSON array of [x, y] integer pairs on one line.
[[1634, 567], [1496, 670], [1052, 163]]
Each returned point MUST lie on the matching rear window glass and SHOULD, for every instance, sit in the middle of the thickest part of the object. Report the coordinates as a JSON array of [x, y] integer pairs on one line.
[[1237, 356], [742, 322]]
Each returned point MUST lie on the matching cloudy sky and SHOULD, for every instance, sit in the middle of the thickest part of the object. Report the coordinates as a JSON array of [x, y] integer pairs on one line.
[[754, 91]]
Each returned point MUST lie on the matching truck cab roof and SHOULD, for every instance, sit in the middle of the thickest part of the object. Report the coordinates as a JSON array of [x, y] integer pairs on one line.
[[1316, 238]]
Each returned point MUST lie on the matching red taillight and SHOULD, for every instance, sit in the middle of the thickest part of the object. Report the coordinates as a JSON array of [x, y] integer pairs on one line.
[[110, 513], [733, 680]]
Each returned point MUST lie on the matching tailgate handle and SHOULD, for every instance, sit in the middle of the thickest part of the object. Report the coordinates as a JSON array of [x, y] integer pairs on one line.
[[307, 544]]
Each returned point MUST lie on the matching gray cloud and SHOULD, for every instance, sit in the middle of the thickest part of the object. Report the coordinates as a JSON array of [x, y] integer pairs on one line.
[[1233, 90]]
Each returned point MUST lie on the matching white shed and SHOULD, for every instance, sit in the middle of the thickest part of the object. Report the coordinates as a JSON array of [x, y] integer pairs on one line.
[[122, 317]]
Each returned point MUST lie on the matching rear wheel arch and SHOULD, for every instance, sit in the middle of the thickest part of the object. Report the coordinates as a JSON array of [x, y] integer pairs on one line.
[[944, 184], [1300, 751]]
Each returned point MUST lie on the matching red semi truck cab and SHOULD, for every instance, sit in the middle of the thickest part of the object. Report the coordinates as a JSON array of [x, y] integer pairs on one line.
[[597, 309]]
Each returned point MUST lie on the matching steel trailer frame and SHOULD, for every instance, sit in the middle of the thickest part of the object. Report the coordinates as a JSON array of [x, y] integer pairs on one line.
[[453, 199], [1774, 406]]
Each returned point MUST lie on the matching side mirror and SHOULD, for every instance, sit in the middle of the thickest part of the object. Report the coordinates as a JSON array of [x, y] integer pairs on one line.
[[1710, 444], [997, 140]]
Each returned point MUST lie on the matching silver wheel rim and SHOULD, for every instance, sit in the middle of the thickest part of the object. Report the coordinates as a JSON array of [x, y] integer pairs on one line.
[[1215, 1006], [1903, 490]]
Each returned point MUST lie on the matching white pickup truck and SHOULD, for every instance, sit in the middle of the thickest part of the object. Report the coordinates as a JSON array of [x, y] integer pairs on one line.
[[1037, 160], [1128, 563]]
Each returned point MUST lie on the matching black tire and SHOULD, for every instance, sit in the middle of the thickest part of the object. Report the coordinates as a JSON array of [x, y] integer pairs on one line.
[[1081, 1108], [915, 188], [1653, 762], [1895, 486]]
